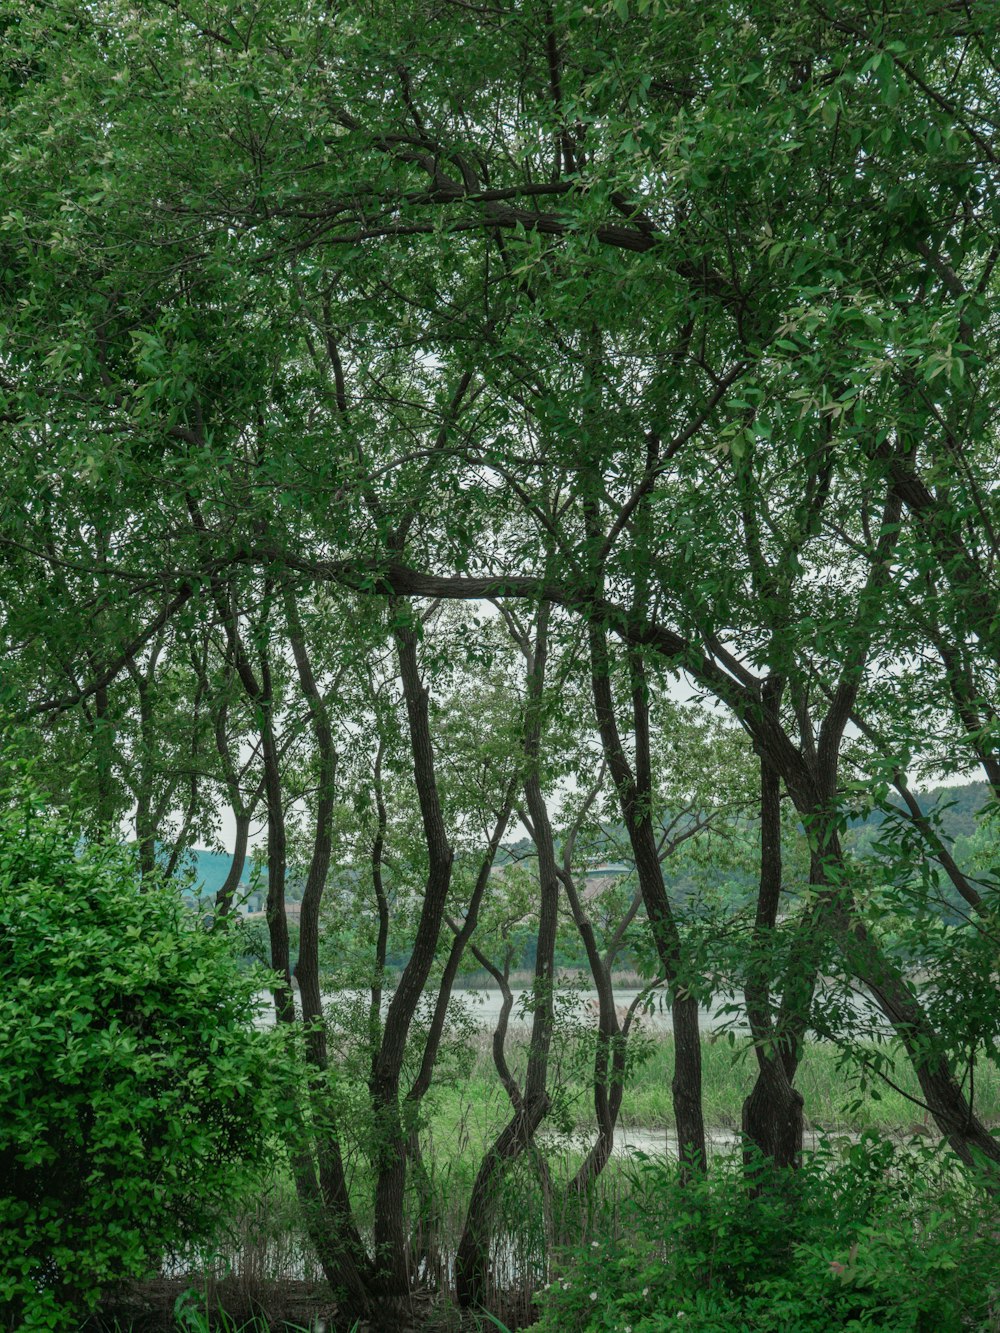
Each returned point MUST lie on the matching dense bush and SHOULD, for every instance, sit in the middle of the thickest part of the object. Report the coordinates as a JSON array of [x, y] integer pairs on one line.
[[879, 1237], [134, 1089]]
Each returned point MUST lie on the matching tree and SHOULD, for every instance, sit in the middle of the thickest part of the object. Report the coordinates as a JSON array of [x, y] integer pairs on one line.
[[676, 323]]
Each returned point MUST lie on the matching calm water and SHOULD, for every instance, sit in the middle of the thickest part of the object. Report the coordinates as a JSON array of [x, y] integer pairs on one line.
[[481, 1008]]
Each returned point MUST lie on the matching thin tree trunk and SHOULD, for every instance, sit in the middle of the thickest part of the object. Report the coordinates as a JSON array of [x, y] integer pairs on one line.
[[609, 1053], [145, 834], [242, 809], [103, 733], [323, 1197], [499, 1041], [463, 935], [346, 1240], [382, 908], [428, 1250], [227, 891], [473, 1279], [634, 794], [390, 1236]]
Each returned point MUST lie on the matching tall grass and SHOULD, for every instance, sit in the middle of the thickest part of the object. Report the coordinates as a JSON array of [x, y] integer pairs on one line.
[[536, 1211], [830, 1087]]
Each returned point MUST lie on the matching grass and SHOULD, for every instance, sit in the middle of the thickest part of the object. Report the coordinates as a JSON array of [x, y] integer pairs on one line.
[[832, 1098], [220, 1324], [833, 1102], [460, 1121], [194, 1320]]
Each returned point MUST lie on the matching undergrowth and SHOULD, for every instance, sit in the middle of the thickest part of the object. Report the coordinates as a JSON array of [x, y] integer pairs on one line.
[[875, 1236]]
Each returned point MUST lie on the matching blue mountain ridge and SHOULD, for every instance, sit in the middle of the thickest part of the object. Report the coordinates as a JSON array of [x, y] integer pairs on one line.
[[209, 871], [957, 807]]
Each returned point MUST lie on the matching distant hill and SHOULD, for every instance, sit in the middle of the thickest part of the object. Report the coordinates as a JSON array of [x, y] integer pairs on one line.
[[957, 807], [210, 870], [954, 809]]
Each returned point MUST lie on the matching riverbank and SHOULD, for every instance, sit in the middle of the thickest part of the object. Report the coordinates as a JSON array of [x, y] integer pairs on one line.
[[265, 1265]]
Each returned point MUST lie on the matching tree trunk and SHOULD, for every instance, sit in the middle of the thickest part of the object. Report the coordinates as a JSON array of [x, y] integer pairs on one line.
[[340, 1227], [145, 833], [473, 1280], [323, 1197], [952, 1111], [227, 892], [635, 794], [391, 1250], [609, 1054], [772, 1120], [473, 1277], [103, 737]]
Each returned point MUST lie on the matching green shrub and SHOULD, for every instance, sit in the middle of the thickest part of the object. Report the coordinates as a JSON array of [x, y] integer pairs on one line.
[[135, 1093], [881, 1237]]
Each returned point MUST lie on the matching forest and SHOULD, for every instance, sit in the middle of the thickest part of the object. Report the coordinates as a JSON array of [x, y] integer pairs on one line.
[[517, 480]]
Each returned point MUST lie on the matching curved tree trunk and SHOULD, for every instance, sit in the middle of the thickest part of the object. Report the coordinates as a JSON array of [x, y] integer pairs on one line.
[[340, 1235], [227, 891], [317, 1168], [473, 1280], [392, 1274], [425, 1252], [382, 908], [947, 1103], [612, 1037], [634, 794], [611, 1059], [609, 1054]]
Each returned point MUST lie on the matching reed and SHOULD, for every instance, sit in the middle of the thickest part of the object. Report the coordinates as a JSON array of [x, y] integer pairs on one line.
[[834, 1100], [243, 1285]]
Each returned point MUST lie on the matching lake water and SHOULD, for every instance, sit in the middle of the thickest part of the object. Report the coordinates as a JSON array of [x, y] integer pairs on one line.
[[482, 1009]]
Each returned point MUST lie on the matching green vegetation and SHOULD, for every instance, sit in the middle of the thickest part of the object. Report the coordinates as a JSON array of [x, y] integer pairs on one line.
[[874, 1237], [448, 450], [842, 1093], [136, 1098]]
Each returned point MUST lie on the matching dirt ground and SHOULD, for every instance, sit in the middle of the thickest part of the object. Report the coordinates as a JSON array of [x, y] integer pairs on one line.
[[149, 1307], [284, 1307]]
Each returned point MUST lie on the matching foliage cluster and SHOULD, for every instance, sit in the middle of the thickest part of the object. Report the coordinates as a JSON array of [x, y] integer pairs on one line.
[[403, 406], [137, 1100], [874, 1236]]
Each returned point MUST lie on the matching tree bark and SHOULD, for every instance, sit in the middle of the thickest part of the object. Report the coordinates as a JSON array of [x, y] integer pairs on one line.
[[322, 1194], [634, 795], [227, 890], [341, 1235], [952, 1111], [391, 1268], [772, 1121], [382, 908], [473, 1279]]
